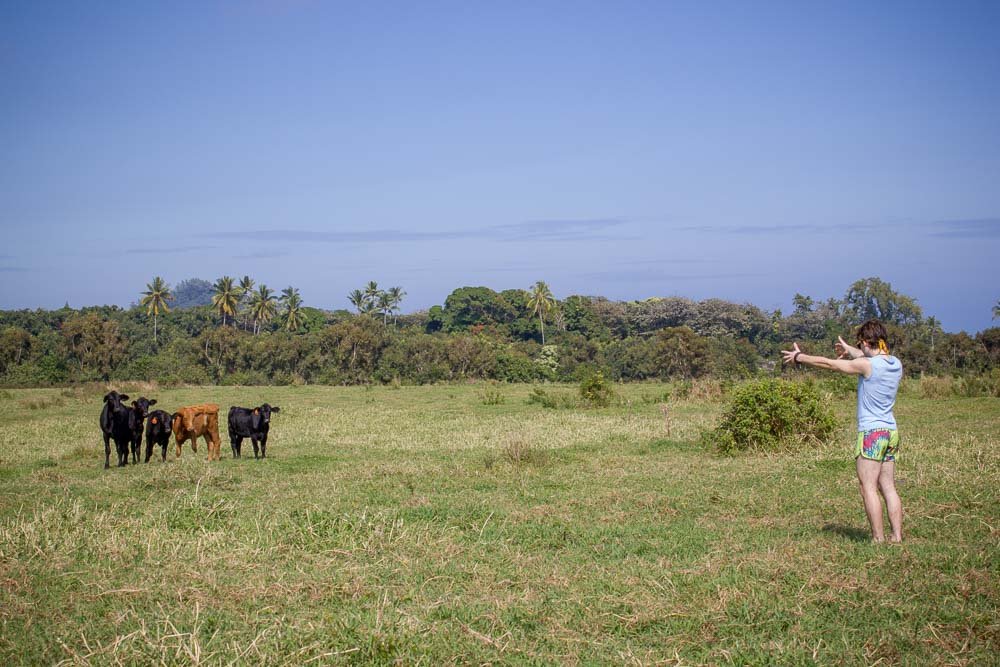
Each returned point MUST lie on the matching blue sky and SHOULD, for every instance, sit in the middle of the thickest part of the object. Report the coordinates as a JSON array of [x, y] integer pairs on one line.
[[746, 151]]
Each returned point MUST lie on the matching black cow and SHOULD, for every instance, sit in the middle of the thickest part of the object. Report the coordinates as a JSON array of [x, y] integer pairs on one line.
[[253, 423], [115, 424], [136, 417], [158, 432]]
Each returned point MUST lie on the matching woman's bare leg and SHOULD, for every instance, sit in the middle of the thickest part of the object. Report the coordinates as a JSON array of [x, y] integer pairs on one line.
[[868, 476], [887, 485]]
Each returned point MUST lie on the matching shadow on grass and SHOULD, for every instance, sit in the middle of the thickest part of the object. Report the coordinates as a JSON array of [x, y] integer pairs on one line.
[[851, 533]]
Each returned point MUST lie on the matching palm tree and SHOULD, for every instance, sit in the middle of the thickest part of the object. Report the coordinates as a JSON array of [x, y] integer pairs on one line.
[[996, 310], [384, 304], [396, 295], [226, 298], [263, 307], [246, 288], [292, 302], [155, 299], [371, 295], [541, 302], [933, 326], [358, 300]]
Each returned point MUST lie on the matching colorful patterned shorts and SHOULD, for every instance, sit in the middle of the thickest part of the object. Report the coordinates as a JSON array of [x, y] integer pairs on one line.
[[880, 444]]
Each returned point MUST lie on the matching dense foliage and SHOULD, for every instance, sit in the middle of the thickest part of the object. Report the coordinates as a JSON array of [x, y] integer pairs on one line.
[[477, 333], [771, 415]]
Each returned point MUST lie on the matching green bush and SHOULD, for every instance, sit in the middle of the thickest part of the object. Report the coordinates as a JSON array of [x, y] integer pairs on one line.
[[514, 366], [596, 391], [553, 401], [541, 397], [491, 394], [771, 415], [976, 386], [247, 379]]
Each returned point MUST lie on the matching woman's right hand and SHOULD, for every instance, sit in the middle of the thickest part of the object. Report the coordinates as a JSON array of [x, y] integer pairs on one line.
[[842, 348]]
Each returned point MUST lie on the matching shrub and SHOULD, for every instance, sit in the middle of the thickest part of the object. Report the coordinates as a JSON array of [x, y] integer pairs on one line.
[[771, 415], [541, 397], [596, 391], [706, 389], [935, 387], [978, 386], [552, 401], [247, 379], [513, 366], [491, 394], [682, 389]]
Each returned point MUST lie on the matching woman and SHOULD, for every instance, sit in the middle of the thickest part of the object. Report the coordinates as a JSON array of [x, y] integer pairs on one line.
[[877, 446]]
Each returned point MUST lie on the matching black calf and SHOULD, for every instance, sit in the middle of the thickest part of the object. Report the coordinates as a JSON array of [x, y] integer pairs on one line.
[[253, 423], [115, 425], [158, 432], [137, 416]]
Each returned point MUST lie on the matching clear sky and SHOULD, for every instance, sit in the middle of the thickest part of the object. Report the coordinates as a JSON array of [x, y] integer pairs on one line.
[[745, 150]]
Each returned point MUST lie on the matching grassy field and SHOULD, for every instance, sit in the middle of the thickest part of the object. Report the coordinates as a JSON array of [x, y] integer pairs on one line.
[[420, 525]]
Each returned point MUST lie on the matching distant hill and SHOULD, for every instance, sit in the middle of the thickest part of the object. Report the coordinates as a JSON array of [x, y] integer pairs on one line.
[[192, 292]]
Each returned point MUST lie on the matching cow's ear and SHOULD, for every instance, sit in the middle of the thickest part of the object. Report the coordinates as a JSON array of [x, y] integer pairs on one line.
[[106, 397], [123, 397], [153, 402], [256, 411], [275, 408], [134, 404]]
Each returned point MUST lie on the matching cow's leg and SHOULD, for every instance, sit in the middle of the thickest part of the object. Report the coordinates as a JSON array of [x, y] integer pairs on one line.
[[180, 441], [256, 447], [164, 446], [122, 448], [236, 442], [213, 434], [208, 444], [107, 451], [136, 443], [263, 446], [149, 449]]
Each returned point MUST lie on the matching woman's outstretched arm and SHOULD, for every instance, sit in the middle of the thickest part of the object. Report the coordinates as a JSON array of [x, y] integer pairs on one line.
[[860, 366]]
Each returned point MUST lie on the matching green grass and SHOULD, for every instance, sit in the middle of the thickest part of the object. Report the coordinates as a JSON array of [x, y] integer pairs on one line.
[[426, 525]]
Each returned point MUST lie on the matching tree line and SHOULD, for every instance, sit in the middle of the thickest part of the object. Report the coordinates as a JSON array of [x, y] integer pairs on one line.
[[241, 332]]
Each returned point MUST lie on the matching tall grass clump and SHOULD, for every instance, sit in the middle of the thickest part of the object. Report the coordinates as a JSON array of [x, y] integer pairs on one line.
[[771, 415], [985, 385], [492, 395], [555, 400]]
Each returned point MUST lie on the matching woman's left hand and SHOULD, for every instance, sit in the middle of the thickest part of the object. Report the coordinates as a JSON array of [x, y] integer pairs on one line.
[[789, 355]]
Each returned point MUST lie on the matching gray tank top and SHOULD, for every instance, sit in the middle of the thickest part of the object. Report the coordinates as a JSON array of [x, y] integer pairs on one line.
[[877, 394]]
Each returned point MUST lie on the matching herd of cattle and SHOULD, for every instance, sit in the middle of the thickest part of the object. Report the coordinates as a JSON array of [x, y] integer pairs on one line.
[[124, 423]]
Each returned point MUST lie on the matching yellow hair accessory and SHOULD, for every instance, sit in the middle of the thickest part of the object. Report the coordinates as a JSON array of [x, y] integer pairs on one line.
[[882, 347]]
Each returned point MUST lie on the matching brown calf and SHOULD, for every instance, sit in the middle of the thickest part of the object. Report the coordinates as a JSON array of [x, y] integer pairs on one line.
[[197, 421]]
